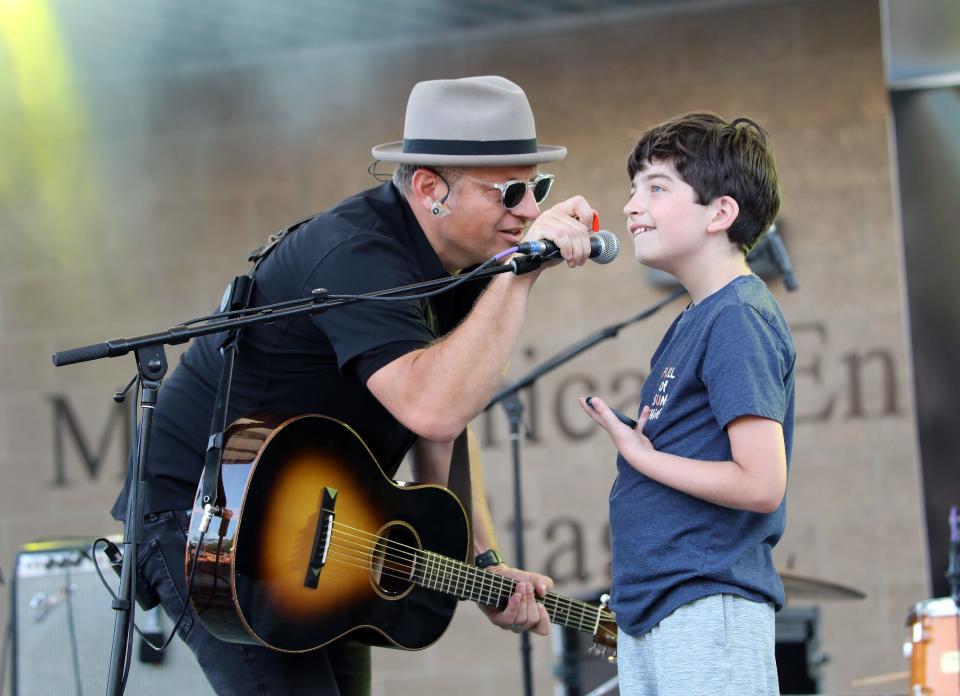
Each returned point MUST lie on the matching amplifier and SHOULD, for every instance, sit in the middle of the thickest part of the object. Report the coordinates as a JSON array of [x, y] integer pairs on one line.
[[63, 630]]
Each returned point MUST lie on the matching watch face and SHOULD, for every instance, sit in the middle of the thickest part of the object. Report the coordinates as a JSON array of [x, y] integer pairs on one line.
[[488, 558]]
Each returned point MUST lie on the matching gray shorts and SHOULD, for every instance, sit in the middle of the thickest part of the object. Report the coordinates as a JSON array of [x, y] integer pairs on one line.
[[721, 645]]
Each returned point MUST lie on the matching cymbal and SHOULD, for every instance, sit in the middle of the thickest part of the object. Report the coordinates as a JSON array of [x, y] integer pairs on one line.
[[805, 587], [881, 679]]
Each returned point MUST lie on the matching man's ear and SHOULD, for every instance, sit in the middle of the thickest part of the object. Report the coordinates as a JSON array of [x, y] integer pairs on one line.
[[426, 186], [725, 210]]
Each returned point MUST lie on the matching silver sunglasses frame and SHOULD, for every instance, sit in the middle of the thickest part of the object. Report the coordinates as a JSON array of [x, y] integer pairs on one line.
[[530, 185]]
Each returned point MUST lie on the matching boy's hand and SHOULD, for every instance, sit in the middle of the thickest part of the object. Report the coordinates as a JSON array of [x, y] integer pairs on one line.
[[523, 612], [624, 437]]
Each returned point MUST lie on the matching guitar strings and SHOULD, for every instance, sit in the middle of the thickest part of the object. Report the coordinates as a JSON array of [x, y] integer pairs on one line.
[[584, 622], [425, 560], [563, 610], [463, 570], [457, 573], [575, 614], [585, 618]]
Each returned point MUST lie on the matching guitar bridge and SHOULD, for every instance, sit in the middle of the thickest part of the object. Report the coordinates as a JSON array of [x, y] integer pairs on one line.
[[321, 537]]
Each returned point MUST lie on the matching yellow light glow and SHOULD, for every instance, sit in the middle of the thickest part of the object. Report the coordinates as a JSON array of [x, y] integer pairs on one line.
[[43, 132]]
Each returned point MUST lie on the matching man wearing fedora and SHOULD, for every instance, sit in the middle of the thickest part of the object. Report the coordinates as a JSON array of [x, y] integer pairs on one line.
[[406, 376]]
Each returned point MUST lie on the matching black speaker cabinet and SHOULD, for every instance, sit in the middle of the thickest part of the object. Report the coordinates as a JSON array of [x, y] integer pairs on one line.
[[63, 630], [798, 650]]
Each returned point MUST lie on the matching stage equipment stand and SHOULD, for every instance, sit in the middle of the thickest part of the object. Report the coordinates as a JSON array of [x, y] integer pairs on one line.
[[151, 369]]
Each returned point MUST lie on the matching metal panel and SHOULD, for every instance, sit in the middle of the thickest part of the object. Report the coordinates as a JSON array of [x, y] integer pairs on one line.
[[922, 40], [928, 153]]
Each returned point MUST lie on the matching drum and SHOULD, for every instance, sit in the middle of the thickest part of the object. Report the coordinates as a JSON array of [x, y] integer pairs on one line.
[[933, 648]]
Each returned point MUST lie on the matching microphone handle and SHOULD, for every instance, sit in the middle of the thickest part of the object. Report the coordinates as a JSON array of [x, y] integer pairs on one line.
[[527, 263], [548, 249]]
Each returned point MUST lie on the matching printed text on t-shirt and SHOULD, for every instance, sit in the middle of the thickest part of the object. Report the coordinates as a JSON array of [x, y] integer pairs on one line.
[[660, 398]]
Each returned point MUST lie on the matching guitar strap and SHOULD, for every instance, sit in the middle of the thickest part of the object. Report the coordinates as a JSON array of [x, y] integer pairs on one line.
[[458, 482], [237, 296]]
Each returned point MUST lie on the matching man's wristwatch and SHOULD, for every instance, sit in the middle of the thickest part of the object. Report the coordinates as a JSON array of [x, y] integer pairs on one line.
[[490, 557]]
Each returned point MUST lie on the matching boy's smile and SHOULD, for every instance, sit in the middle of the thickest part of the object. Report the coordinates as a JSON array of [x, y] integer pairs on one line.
[[636, 229]]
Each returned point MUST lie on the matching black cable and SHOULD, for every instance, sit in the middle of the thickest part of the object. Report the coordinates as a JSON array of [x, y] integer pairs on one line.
[[131, 623], [418, 296], [353, 298], [186, 603], [72, 632], [382, 177]]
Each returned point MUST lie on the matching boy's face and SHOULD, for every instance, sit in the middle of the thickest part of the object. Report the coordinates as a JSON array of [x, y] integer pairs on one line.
[[668, 226]]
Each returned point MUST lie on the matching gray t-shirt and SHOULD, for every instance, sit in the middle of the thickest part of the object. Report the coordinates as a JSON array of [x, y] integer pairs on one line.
[[730, 355]]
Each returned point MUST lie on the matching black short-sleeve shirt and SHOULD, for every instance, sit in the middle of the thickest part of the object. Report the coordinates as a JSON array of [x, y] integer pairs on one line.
[[317, 364]]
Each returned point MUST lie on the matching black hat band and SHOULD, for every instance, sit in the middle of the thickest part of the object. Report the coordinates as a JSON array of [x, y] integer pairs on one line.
[[470, 147]]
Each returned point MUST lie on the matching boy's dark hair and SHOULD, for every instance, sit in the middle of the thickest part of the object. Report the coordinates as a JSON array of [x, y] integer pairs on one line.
[[717, 158]]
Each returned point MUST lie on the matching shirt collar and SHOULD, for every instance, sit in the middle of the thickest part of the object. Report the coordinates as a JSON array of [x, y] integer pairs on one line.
[[412, 235]]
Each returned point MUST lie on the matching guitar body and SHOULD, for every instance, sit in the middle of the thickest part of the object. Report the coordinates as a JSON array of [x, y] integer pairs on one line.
[[251, 583]]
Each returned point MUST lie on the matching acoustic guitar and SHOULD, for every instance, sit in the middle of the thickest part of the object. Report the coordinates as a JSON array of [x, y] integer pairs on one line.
[[314, 543]]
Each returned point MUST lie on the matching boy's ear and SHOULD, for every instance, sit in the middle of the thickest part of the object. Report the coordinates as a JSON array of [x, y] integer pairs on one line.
[[724, 212]]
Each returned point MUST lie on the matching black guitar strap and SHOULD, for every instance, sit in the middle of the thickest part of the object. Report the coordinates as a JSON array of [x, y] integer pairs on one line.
[[459, 483], [237, 296]]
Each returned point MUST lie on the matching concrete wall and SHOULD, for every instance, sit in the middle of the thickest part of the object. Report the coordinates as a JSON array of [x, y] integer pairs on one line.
[[133, 217]]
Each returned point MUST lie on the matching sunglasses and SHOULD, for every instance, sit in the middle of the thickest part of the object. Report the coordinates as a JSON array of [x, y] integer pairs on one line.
[[513, 191]]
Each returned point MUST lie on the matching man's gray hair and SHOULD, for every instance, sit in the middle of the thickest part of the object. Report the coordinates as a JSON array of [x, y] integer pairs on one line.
[[403, 175]]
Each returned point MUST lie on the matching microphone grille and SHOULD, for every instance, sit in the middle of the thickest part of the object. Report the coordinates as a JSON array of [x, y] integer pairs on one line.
[[609, 247]]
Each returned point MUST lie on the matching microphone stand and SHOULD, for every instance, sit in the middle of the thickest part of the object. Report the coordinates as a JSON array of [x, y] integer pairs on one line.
[[953, 558], [152, 367], [514, 409]]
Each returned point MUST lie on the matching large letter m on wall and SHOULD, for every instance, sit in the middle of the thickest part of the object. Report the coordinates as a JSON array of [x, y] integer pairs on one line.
[[65, 422]]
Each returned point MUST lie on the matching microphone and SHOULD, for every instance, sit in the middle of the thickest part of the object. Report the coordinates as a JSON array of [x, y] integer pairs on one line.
[[604, 247], [781, 259]]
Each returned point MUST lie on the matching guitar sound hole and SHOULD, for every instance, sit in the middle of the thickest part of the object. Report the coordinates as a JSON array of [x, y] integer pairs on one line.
[[393, 559]]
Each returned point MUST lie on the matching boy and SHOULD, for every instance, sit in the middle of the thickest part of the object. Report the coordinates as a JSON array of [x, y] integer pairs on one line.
[[699, 500]]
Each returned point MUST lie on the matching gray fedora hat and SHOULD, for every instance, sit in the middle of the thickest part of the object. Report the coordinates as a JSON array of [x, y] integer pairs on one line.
[[472, 122]]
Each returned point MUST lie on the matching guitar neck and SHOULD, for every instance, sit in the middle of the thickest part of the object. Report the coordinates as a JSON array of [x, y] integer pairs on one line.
[[436, 572]]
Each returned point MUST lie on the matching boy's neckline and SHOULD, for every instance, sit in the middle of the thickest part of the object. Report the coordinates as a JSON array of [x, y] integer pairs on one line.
[[715, 293]]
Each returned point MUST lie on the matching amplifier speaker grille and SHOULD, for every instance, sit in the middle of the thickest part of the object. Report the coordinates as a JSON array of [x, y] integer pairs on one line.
[[63, 631]]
